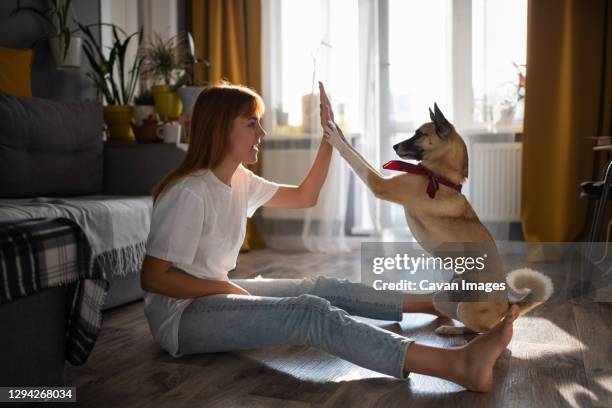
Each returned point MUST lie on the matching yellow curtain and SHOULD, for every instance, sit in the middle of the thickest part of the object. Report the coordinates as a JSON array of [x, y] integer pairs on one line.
[[227, 33], [568, 98]]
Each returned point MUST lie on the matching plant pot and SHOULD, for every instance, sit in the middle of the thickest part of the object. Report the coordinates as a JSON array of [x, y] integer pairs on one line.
[[188, 95], [118, 119], [73, 56], [167, 103]]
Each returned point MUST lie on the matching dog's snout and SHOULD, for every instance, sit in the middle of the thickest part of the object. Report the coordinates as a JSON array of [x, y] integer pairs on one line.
[[404, 145]]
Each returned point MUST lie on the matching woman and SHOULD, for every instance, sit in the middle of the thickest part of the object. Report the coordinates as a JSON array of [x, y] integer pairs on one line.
[[197, 228]]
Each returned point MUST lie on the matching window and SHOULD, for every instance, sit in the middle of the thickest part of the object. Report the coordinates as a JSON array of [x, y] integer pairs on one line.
[[499, 54], [311, 41], [465, 55], [420, 60], [460, 54]]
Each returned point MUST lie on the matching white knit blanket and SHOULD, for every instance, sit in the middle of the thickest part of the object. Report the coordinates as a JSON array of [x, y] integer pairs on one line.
[[116, 227]]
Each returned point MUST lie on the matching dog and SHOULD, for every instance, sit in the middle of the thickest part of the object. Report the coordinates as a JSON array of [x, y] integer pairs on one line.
[[438, 214]]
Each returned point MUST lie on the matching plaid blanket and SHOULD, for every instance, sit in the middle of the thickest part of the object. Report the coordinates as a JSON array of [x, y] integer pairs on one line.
[[36, 254]]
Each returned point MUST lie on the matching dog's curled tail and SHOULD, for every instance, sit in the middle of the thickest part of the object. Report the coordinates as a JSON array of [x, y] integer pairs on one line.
[[531, 288]]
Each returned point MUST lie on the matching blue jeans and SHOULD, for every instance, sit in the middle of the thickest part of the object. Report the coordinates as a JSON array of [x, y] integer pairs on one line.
[[313, 312]]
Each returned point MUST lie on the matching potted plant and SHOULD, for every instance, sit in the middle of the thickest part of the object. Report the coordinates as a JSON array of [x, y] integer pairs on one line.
[[115, 78], [513, 101], [165, 61], [188, 91], [65, 47]]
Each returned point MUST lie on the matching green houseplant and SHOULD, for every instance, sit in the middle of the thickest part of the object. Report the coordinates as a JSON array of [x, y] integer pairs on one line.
[[65, 46], [164, 63], [114, 78], [189, 91]]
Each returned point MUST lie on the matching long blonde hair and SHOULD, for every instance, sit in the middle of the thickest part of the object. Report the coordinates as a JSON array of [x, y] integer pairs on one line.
[[213, 116]]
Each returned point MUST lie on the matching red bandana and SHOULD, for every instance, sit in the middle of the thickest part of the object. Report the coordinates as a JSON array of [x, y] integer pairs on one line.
[[434, 180]]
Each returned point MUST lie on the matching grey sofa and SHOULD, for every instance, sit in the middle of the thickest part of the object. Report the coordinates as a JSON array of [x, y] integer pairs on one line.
[[56, 149]]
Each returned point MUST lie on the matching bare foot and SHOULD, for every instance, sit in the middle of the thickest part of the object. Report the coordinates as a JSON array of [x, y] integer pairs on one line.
[[475, 369]]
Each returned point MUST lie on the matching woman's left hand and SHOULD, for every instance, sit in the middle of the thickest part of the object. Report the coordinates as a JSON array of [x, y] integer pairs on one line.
[[325, 108]]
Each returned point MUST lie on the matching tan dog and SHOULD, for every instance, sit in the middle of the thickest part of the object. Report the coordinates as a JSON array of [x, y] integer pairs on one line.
[[446, 218]]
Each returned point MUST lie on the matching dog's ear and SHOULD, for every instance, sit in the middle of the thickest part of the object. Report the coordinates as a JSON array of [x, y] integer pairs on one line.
[[442, 125], [431, 115]]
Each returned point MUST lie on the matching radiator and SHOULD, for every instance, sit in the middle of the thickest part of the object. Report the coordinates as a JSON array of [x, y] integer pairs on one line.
[[286, 161], [495, 181]]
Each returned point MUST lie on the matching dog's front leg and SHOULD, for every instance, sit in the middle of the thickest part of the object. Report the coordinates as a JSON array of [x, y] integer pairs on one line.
[[358, 163], [381, 186]]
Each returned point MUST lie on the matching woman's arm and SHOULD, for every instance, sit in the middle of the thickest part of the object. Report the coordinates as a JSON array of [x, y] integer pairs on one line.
[[158, 276], [307, 193]]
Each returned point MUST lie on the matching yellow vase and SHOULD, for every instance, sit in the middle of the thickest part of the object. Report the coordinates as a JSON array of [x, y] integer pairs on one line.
[[167, 103], [118, 119]]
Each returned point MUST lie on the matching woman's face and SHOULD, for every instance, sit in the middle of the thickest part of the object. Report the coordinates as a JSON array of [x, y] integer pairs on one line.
[[245, 138]]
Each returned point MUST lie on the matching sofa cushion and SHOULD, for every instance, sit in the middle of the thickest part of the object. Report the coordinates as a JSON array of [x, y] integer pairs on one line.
[[15, 68], [49, 148]]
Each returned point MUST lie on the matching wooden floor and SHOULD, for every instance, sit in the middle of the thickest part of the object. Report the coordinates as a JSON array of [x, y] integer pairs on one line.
[[560, 356]]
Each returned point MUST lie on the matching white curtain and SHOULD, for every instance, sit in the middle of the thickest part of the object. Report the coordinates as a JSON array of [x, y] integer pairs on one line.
[[323, 229], [383, 220], [369, 108], [293, 65]]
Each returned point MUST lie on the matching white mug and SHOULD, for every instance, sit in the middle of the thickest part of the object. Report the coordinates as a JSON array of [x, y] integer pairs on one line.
[[169, 132]]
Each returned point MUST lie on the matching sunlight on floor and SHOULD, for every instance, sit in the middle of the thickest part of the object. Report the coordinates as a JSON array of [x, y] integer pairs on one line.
[[575, 394]]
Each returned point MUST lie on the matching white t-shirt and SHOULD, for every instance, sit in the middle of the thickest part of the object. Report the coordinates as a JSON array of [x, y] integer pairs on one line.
[[199, 225]]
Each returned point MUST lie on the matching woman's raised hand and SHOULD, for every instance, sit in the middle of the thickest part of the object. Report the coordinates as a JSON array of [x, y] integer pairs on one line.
[[331, 132], [325, 108]]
